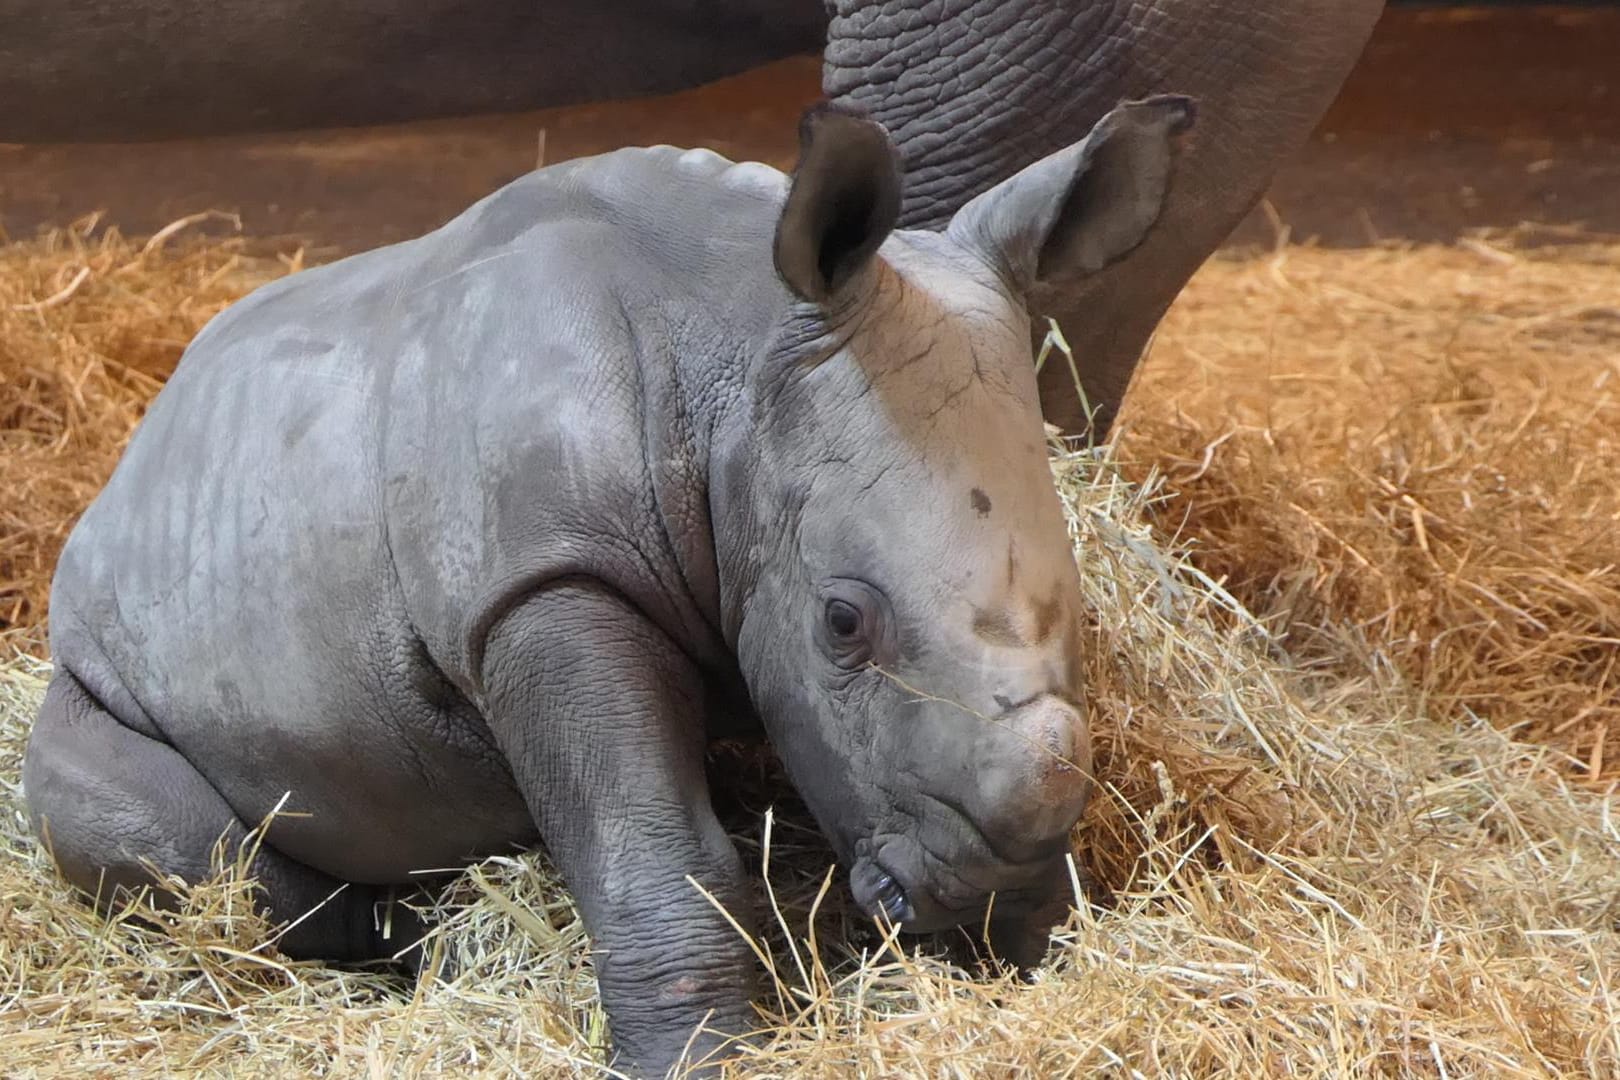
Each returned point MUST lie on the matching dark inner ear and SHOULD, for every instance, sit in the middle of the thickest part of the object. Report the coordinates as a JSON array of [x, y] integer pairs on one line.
[[843, 203], [853, 221], [1115, 197]]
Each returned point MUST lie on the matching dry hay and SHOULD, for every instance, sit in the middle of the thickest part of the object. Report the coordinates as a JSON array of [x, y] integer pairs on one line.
[[1419, 446], [1311, 873], [90, 326], [1310, 880]]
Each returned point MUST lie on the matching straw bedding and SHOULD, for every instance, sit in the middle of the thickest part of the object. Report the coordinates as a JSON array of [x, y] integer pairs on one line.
[[1421, 446], [1361, 831]]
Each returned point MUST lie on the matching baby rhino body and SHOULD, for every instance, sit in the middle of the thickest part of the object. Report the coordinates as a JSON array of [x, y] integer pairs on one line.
[[449, 548], [358, 470]]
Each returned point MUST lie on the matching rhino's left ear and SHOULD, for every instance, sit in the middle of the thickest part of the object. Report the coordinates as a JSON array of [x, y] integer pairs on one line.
[[1076, 211], [843, 203]]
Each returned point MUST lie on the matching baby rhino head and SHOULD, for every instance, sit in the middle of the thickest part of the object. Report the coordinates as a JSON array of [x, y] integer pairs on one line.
[[902, 590]]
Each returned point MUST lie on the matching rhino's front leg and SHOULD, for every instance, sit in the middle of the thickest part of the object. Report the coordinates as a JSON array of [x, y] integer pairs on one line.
[[600, 717]]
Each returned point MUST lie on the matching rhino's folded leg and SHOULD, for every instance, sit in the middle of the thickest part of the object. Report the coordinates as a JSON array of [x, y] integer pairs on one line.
[[600, 716], [110, 801]]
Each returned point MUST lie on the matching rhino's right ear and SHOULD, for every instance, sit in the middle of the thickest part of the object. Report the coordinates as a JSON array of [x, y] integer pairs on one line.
[[843, 203], [1078, 210]]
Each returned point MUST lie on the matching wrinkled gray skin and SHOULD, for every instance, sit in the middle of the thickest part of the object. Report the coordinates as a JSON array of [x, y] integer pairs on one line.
[[971, 90], [1263, 74], [476, 541]]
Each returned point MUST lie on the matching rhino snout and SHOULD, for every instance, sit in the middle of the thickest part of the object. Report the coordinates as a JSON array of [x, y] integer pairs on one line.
[[1033, 791], [1027, 781]]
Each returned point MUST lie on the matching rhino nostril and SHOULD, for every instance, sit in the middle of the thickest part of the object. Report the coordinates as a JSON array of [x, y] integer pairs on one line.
[[1030, 798], [1052, 727]]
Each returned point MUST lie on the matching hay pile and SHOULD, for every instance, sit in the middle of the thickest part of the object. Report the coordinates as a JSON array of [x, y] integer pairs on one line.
[[1309, 880], [1414, 454], [90, 326], [1328, 869]]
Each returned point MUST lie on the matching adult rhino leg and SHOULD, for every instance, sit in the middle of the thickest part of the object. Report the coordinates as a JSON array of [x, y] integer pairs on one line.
[[601, 717], [1084, 399], [977, 89], [109, 800]]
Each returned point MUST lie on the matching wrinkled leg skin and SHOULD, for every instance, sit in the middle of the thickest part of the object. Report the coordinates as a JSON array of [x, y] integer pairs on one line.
[[108, 800], [601, 717]]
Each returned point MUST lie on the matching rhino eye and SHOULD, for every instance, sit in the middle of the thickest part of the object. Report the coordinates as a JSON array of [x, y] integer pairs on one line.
[[843, 621], [853, 629]]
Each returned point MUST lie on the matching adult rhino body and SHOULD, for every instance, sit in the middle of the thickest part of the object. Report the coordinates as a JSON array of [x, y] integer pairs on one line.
[[126, 70], [971, 90], [475, 541]]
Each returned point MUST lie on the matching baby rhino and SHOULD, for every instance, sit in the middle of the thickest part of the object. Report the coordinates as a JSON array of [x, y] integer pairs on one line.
[[474, 542]]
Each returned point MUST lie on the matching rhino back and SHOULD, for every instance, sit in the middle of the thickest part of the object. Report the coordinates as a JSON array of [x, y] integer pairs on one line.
[[574, 354], [354, 471]]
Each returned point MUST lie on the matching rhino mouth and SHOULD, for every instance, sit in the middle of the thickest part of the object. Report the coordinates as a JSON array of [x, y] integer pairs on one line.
[[890, 898], [883, 890], [880, 894]]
